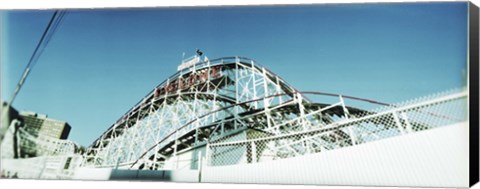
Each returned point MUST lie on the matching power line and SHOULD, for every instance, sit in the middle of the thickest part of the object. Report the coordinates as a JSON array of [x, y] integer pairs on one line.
[[44, 40], [52, 26], [48, 36]]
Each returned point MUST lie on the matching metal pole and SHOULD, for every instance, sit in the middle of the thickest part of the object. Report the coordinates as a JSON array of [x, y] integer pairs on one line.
[[399, 124], [408, 125], [200, 165]]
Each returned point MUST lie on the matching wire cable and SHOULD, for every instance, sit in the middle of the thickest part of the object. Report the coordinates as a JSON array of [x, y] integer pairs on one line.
[[46, 36], [52, 26]]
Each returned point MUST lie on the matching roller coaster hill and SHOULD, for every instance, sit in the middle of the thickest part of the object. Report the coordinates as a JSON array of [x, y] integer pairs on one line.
[[232, 110]]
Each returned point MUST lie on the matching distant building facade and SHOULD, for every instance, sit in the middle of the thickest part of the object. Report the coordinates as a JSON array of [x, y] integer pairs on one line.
[[34, 127], [40, 124]]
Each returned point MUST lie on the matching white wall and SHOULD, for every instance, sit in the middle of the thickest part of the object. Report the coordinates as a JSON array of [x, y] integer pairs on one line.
[[433, 158], [131, 175]]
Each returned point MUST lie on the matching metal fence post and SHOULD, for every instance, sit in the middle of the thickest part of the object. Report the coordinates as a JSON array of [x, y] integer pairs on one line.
[[345, 110], [408, 125], [207, 154], [254, 152], [399, 124], [200, 166]]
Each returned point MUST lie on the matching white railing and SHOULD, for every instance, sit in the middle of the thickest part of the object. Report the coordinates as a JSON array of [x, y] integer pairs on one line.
[[45, 145], [44, 167], [54, 158]]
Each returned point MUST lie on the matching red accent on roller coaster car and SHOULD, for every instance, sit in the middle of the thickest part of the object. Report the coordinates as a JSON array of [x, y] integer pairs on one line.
[[215, 72], [194, 78]]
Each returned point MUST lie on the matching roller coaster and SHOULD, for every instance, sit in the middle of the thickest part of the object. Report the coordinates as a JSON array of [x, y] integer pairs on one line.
[[226, 112], [232, 110]]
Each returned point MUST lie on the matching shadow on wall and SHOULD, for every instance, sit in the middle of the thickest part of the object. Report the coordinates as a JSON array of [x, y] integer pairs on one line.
[[119, 174], [155, 175]]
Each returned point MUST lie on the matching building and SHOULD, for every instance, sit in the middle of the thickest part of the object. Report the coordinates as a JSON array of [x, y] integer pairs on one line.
[[34, 145], [40, 124], [29, 134]]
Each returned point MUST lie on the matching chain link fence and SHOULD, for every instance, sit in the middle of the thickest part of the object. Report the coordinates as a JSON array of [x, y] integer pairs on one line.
[[253, 146]]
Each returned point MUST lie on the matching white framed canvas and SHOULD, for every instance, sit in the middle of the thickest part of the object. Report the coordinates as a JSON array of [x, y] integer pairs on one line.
[[358, 94]]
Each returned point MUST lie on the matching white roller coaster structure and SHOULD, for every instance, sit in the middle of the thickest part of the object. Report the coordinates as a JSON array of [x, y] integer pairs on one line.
[[233, 111], [236, 99]]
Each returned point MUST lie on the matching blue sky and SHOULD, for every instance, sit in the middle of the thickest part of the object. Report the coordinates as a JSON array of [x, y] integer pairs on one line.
[[101, 62]]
